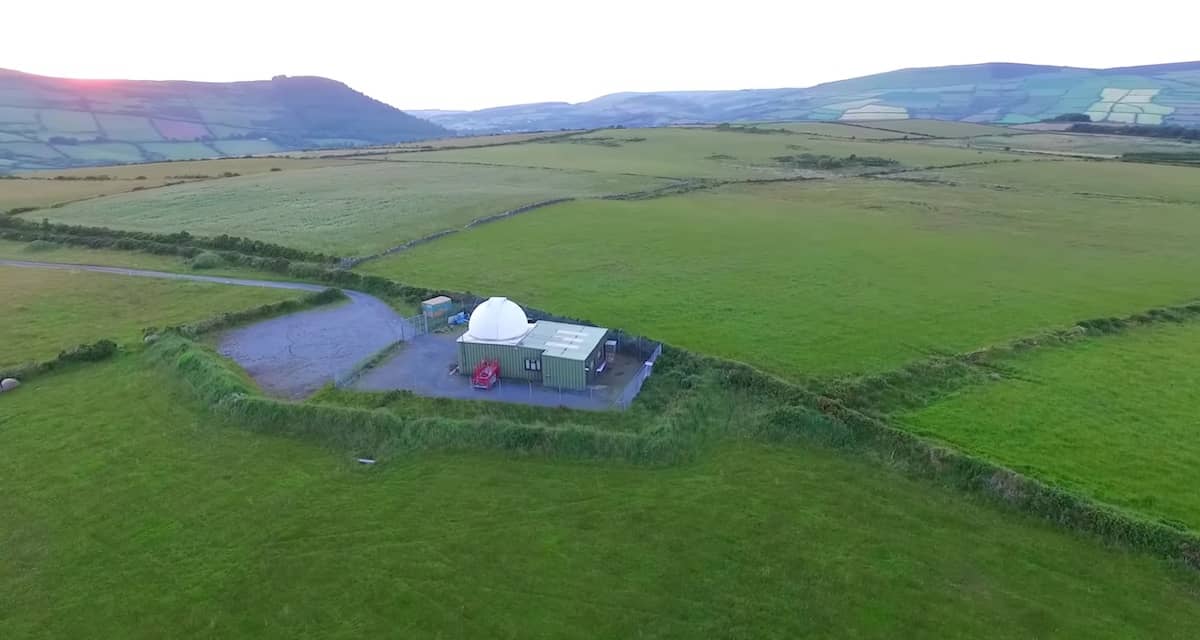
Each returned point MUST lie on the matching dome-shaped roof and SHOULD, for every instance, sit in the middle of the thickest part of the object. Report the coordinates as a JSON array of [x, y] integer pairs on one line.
[[498, 320]]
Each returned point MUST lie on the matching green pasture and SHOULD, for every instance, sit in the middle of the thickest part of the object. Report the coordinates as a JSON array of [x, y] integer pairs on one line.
[[34, 150], [828, 277], [45, 311], [352, 210], [130, 510], [102, 152], [68, 254], [180, 150], [936, 128], [1109, 184], [245, 147], [210, 168], [1081, 143], [63, 122], [696, 153], [45, 193], [832, 129], [122, 127], [1113, 418]]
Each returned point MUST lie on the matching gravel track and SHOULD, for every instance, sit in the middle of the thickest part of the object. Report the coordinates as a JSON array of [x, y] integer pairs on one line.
[[294, 355]]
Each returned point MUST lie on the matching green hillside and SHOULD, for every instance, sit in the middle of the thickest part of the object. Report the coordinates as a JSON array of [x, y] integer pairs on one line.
[[1003, 93], [55, 122]]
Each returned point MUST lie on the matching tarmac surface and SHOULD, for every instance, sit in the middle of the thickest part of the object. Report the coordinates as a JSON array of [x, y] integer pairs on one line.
[[290, 356]]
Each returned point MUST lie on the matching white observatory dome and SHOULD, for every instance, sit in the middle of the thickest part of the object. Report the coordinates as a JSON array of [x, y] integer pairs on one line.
[[498, 320]]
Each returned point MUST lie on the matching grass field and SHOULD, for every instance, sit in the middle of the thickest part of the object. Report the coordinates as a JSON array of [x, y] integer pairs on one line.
[[46, 311], [345, 211], [135, 521], [44, 191], [1081, 143], [1111, 182], [66, 254], [829, 277], [937, 128], [1113, 418], [165, 170], [103, 152], [833, 129], [180, 150], [699, 153]]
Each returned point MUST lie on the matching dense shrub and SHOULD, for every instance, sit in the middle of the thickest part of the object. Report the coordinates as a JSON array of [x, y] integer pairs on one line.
[[41, 245], [821, 161], [206, 260], [1070, 117], [95, 352], [1146, 130]]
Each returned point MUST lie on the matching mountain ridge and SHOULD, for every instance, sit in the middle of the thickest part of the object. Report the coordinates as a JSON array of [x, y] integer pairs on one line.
[[50, 122], [982, 92]]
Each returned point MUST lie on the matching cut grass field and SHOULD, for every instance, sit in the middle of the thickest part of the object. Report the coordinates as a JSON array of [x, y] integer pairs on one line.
[[1113, 418], [1081, 143], [831, 277], [1112, 182], [168, 170], [41, 189], [46, 311], [936, 128], [67, 254], [695, 153], [833, 129], [122, 523], [355, 210]]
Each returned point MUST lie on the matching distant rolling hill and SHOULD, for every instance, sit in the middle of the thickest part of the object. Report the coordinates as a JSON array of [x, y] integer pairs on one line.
[[995, 92], [57, 122]]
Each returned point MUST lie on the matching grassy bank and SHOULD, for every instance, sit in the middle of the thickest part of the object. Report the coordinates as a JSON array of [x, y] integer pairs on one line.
[[1112, 418], [168, 516]]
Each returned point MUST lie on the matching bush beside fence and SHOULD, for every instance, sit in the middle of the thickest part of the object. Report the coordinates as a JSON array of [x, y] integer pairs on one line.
[[94, 352]]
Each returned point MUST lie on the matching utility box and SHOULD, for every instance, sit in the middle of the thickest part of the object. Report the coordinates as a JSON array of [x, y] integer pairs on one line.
[[438, 307]]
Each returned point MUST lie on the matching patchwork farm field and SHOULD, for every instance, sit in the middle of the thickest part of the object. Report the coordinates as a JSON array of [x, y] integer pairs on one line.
[[1113, 418], [696, 153], [162, 489], [346, 210], [1083, 144], [46, 311], [171, 517], [936, 128], [1103, 184], [828, 278], [48, 188]]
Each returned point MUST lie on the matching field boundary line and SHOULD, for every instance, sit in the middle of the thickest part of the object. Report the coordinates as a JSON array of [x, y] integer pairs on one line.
[[928, 380], [350, 263], [787, 412]]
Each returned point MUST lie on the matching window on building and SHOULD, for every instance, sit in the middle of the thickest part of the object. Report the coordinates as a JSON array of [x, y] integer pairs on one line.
[[532, 364]]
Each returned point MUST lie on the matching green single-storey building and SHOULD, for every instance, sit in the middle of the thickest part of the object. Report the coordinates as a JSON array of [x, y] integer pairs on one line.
[[556, 354]]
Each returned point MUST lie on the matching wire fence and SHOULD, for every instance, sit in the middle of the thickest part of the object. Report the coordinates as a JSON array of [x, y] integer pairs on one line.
[[635, 385], [403, 330]]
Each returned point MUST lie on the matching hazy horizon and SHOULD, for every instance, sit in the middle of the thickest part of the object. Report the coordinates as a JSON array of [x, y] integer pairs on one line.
[[419, 57]]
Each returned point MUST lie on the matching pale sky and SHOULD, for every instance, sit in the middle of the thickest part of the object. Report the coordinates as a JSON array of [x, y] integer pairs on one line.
[[468, 54]]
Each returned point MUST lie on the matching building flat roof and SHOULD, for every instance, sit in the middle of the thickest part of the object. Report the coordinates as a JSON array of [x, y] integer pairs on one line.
[[562, 340]]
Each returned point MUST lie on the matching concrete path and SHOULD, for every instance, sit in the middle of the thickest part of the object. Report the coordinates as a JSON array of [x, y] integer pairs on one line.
[[293, 355]]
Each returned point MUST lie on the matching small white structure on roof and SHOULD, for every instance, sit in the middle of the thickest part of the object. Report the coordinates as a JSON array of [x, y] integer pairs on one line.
[[498, 320]]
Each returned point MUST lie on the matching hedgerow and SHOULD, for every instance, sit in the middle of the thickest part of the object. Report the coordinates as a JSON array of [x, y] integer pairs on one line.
[[94, 352], [234, 318], [103, 237], [381, 434]]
